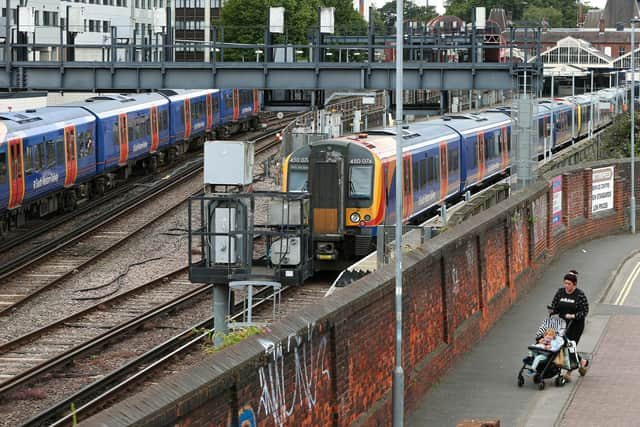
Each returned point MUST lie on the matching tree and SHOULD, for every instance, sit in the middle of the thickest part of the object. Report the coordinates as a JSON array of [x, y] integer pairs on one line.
[[617, 138], [463, 8], [411, 12], [540, 15]]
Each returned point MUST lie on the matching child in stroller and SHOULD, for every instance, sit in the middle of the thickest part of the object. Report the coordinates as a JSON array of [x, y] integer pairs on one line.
[[540, 363]]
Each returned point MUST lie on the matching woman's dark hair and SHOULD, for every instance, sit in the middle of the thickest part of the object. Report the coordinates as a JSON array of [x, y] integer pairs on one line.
[[571, 277]]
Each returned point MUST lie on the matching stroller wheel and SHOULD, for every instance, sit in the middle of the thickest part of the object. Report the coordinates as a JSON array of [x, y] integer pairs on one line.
[[520, 380], [541, 385], [560, 381]]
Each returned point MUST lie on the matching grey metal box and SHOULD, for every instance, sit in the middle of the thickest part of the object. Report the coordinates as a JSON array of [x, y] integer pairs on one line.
[[286, 212], [228, 162]]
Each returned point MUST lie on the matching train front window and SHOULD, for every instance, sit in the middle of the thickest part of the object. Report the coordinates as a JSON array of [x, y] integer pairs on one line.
[[298, 180], [360, 182]]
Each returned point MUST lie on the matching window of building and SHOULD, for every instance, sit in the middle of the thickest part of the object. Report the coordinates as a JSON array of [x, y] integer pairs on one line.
[[36, 17], [621, 51], [105, 26]]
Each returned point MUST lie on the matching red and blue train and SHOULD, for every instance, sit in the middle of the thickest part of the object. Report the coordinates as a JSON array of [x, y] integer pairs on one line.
[[53, 156], [352, 179]]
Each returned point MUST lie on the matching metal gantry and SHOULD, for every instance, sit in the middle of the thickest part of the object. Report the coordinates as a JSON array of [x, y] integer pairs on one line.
[[469, 60]]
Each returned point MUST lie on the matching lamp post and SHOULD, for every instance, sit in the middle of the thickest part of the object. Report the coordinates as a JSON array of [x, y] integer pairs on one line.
[[398, 372], [634, 21]]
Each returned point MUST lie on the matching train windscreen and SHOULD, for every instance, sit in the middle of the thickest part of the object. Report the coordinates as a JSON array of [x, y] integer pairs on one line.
[[298, 180], [360, 182]]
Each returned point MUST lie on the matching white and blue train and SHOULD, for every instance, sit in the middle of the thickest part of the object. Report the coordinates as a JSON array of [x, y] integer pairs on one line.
[[53, 156], [352, 178]]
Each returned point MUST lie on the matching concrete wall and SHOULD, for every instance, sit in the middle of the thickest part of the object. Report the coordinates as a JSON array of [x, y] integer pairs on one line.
[[333, 364]]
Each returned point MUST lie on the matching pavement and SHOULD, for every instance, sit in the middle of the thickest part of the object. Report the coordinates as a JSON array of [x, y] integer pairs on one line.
[[482, 385]]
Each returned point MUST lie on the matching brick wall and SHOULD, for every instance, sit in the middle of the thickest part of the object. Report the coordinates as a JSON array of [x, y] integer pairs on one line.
[[333, 364]]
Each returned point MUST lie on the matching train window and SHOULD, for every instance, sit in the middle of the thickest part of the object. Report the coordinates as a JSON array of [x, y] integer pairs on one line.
[[3, 168], [181, 108], [82, 147], [454, 159], [228, 101], [298, 180], [130, 132], [423, 172], [116, 135], [432, 169], [51, 153], [88, 137], [407, 176], [28, 160], [474, 155], [39, 157], [216, 105], [416, 178], [165, 120], [360, 182]]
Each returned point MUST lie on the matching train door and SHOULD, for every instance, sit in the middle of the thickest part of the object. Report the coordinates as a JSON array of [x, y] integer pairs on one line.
[[504, 146], [327, 194], [124, 139], [236, 104], [187, 118], [481, 159], [209, 103], [444, 170], [407, 202], [256, 101], [155, 137], [16, 173], [70, 155]]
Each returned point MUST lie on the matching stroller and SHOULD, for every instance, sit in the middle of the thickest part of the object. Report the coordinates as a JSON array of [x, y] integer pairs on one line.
[[550, 368]]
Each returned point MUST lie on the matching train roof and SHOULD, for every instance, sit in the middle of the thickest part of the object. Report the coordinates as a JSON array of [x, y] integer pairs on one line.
[[179, 94], [107, 105], [382, 142], [469, 122], [23, 124]]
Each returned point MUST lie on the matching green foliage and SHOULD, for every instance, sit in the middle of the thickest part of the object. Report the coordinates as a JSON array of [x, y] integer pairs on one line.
[[617, 138], [411, 12], [234, 336], [538, 15], [245, 21], [520, 10]]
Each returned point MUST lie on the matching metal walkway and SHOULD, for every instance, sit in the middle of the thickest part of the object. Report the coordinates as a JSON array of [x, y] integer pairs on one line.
[[472, 61]]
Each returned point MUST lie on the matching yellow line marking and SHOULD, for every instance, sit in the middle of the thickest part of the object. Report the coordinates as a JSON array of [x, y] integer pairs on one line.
[[628, 284]]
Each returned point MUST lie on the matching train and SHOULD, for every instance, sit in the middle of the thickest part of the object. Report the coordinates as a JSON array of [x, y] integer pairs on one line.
[[352, 178], [52, 157]]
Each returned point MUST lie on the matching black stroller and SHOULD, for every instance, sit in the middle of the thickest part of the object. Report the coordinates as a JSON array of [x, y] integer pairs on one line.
[[548, 368]]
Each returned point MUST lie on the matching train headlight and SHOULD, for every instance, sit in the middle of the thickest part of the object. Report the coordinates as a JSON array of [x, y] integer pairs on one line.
[[367, 217], [355, 217]]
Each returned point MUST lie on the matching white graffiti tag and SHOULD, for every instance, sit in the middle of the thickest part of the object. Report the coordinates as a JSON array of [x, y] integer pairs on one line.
[[309, 370]]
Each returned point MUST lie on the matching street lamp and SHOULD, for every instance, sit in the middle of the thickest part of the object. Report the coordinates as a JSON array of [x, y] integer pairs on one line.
[[634, 21]]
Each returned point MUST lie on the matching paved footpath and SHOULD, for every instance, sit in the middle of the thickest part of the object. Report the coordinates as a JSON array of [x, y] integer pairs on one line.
[[482, 384]]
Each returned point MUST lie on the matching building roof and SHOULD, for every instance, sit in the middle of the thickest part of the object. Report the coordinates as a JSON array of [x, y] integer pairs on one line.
[[616, 11]]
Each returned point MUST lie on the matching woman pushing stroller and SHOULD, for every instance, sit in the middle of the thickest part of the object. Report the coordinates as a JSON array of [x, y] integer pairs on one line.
[[570, 303]]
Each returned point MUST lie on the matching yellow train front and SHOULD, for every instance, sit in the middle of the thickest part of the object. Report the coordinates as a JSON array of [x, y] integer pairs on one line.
[[345, 182]]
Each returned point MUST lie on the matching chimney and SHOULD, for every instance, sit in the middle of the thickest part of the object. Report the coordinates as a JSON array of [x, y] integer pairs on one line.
[[601, 26]]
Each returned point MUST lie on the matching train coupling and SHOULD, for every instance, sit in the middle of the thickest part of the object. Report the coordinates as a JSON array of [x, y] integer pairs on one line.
[[326, 251]]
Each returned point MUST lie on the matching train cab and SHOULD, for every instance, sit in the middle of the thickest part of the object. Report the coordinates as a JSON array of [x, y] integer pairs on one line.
[[345, 194]]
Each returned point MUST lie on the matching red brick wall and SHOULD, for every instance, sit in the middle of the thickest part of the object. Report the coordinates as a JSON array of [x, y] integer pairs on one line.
[[333, 364]]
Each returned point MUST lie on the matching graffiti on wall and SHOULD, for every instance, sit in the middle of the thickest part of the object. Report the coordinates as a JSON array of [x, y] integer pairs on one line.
[[246, 418], [539, 208], [292, 375]]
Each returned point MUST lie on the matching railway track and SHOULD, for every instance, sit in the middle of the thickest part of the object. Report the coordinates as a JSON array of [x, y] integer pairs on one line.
[[163, 356], [64, 255], [51, 263], [36, 352]]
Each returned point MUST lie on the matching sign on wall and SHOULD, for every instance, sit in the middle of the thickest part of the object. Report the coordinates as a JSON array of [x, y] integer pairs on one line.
[[602, 189], [556, 209]]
